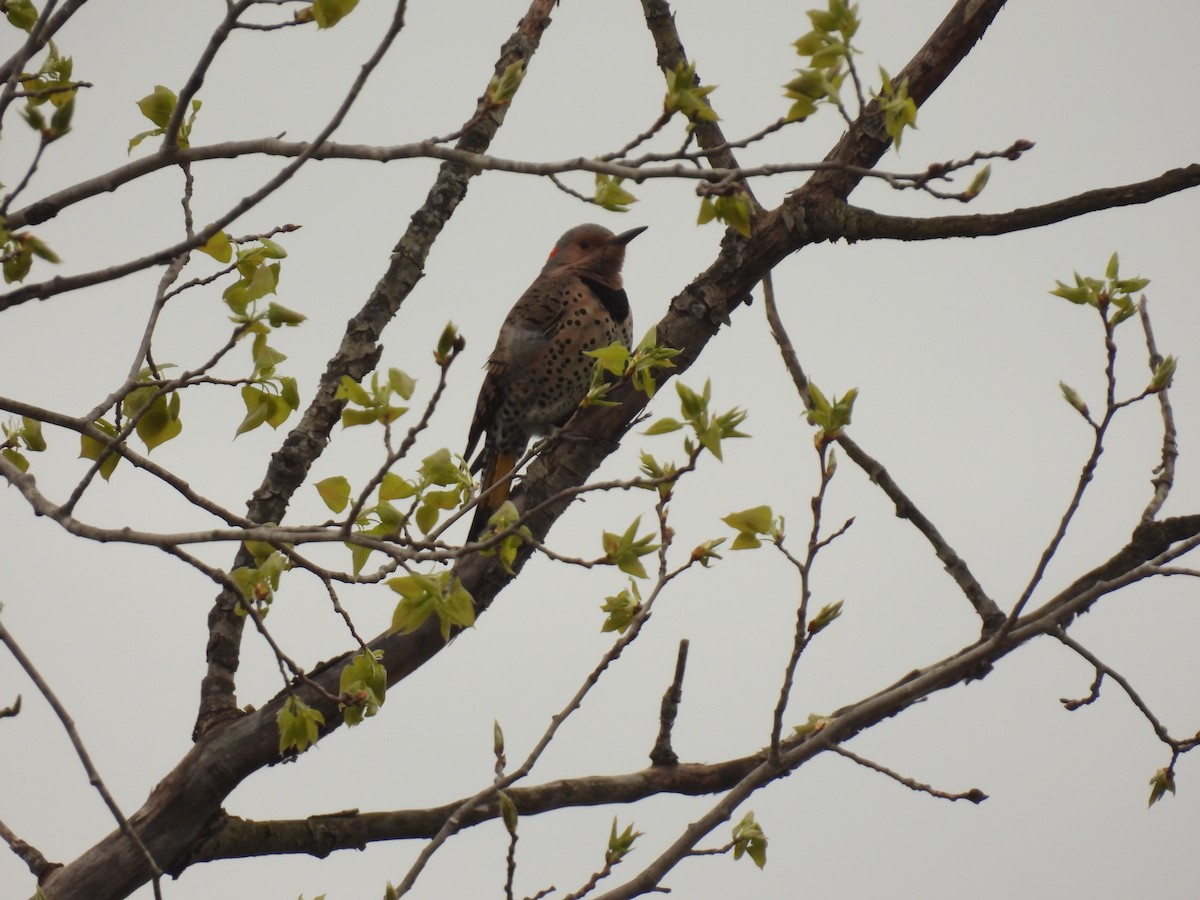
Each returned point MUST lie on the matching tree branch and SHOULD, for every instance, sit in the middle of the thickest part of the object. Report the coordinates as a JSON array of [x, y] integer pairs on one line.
[[859, 224]]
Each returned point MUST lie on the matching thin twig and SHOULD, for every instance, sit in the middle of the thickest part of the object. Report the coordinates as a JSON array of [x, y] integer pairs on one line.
[[1104, 669], [974, 794], [454, 821], [94, 778], [1164, 478], [956, 566]]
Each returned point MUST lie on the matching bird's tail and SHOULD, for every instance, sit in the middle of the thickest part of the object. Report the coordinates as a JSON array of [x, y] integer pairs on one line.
[[495, 469]]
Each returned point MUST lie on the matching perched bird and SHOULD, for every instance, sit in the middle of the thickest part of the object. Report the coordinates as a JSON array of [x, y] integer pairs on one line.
[[538, 374]]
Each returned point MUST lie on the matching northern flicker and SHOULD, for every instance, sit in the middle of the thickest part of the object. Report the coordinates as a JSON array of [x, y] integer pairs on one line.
[[538, 374]]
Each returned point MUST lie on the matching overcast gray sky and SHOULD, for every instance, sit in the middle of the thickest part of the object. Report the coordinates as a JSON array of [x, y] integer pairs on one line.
[[956, 349]]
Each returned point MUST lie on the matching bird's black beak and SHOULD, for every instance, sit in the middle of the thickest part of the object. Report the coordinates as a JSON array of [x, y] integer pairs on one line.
[[626, 236]]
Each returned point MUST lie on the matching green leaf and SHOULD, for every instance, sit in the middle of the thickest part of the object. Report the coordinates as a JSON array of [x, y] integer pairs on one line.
[[828, 614], [978, 183], [401, 383], [362, 686], [92, 448], [664, 425], [625, 551], [749, 524], [449, 342], [159, 422], [280, 315], [31, 434], [620, 609], [814, 724], [1164, 373], [899, 110], [439, 468], [685, 96], [508, 811], [503, 87], [611, 195], [16, 458], [620, 844], [328, 13], [394, 487], [612, 359], [218, 247], [21, 13], [749, 840], [159, 106], [299, 725], [1072, 397], [426, 517], [349, 389], [441, 594], [335, 492], [1163, 781]]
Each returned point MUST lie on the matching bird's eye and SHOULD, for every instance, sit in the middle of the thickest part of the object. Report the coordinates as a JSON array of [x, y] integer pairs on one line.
[[583, 245]]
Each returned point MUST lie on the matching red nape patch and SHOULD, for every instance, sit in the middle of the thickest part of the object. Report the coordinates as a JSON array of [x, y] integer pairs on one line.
[[553, 252]]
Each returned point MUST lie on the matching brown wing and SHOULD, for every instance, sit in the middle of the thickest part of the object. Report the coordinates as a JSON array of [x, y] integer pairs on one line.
[[529, 326]]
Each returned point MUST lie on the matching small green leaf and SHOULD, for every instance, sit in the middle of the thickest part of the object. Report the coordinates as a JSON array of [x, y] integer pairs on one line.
[[362, 686], [328, 13], [620, 844], [664, 425], [158, 106], [978, 183], [1072, 397], [335, 492], [280, 315], [749, 840], [625, 551], [611, 195], [21, 13], [828, 614], [1163, 781], [508, 811], [685, 96], [299, 725], [814, 724], [401, 383], [749, 524], [16, 458], [620, 609], [218, 247], [503, 87], [612, 359], [1162, 378], [92, 448], [394, 487]]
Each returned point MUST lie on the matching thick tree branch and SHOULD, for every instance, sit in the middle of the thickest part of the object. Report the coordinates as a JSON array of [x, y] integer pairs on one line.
[[356, 356]]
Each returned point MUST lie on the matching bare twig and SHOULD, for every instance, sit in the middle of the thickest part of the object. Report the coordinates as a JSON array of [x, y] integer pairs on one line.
[[1103, 669], [1164, 478], [974, 794], [94, 778], [801, 637], [984, 606]]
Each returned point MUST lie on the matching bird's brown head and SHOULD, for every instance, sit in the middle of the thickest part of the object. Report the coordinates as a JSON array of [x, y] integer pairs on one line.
[[591, 250]]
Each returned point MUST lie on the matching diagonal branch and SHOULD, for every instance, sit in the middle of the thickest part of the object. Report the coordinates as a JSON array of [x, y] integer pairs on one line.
[[857, 224], [85, 758], [356, 356]]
